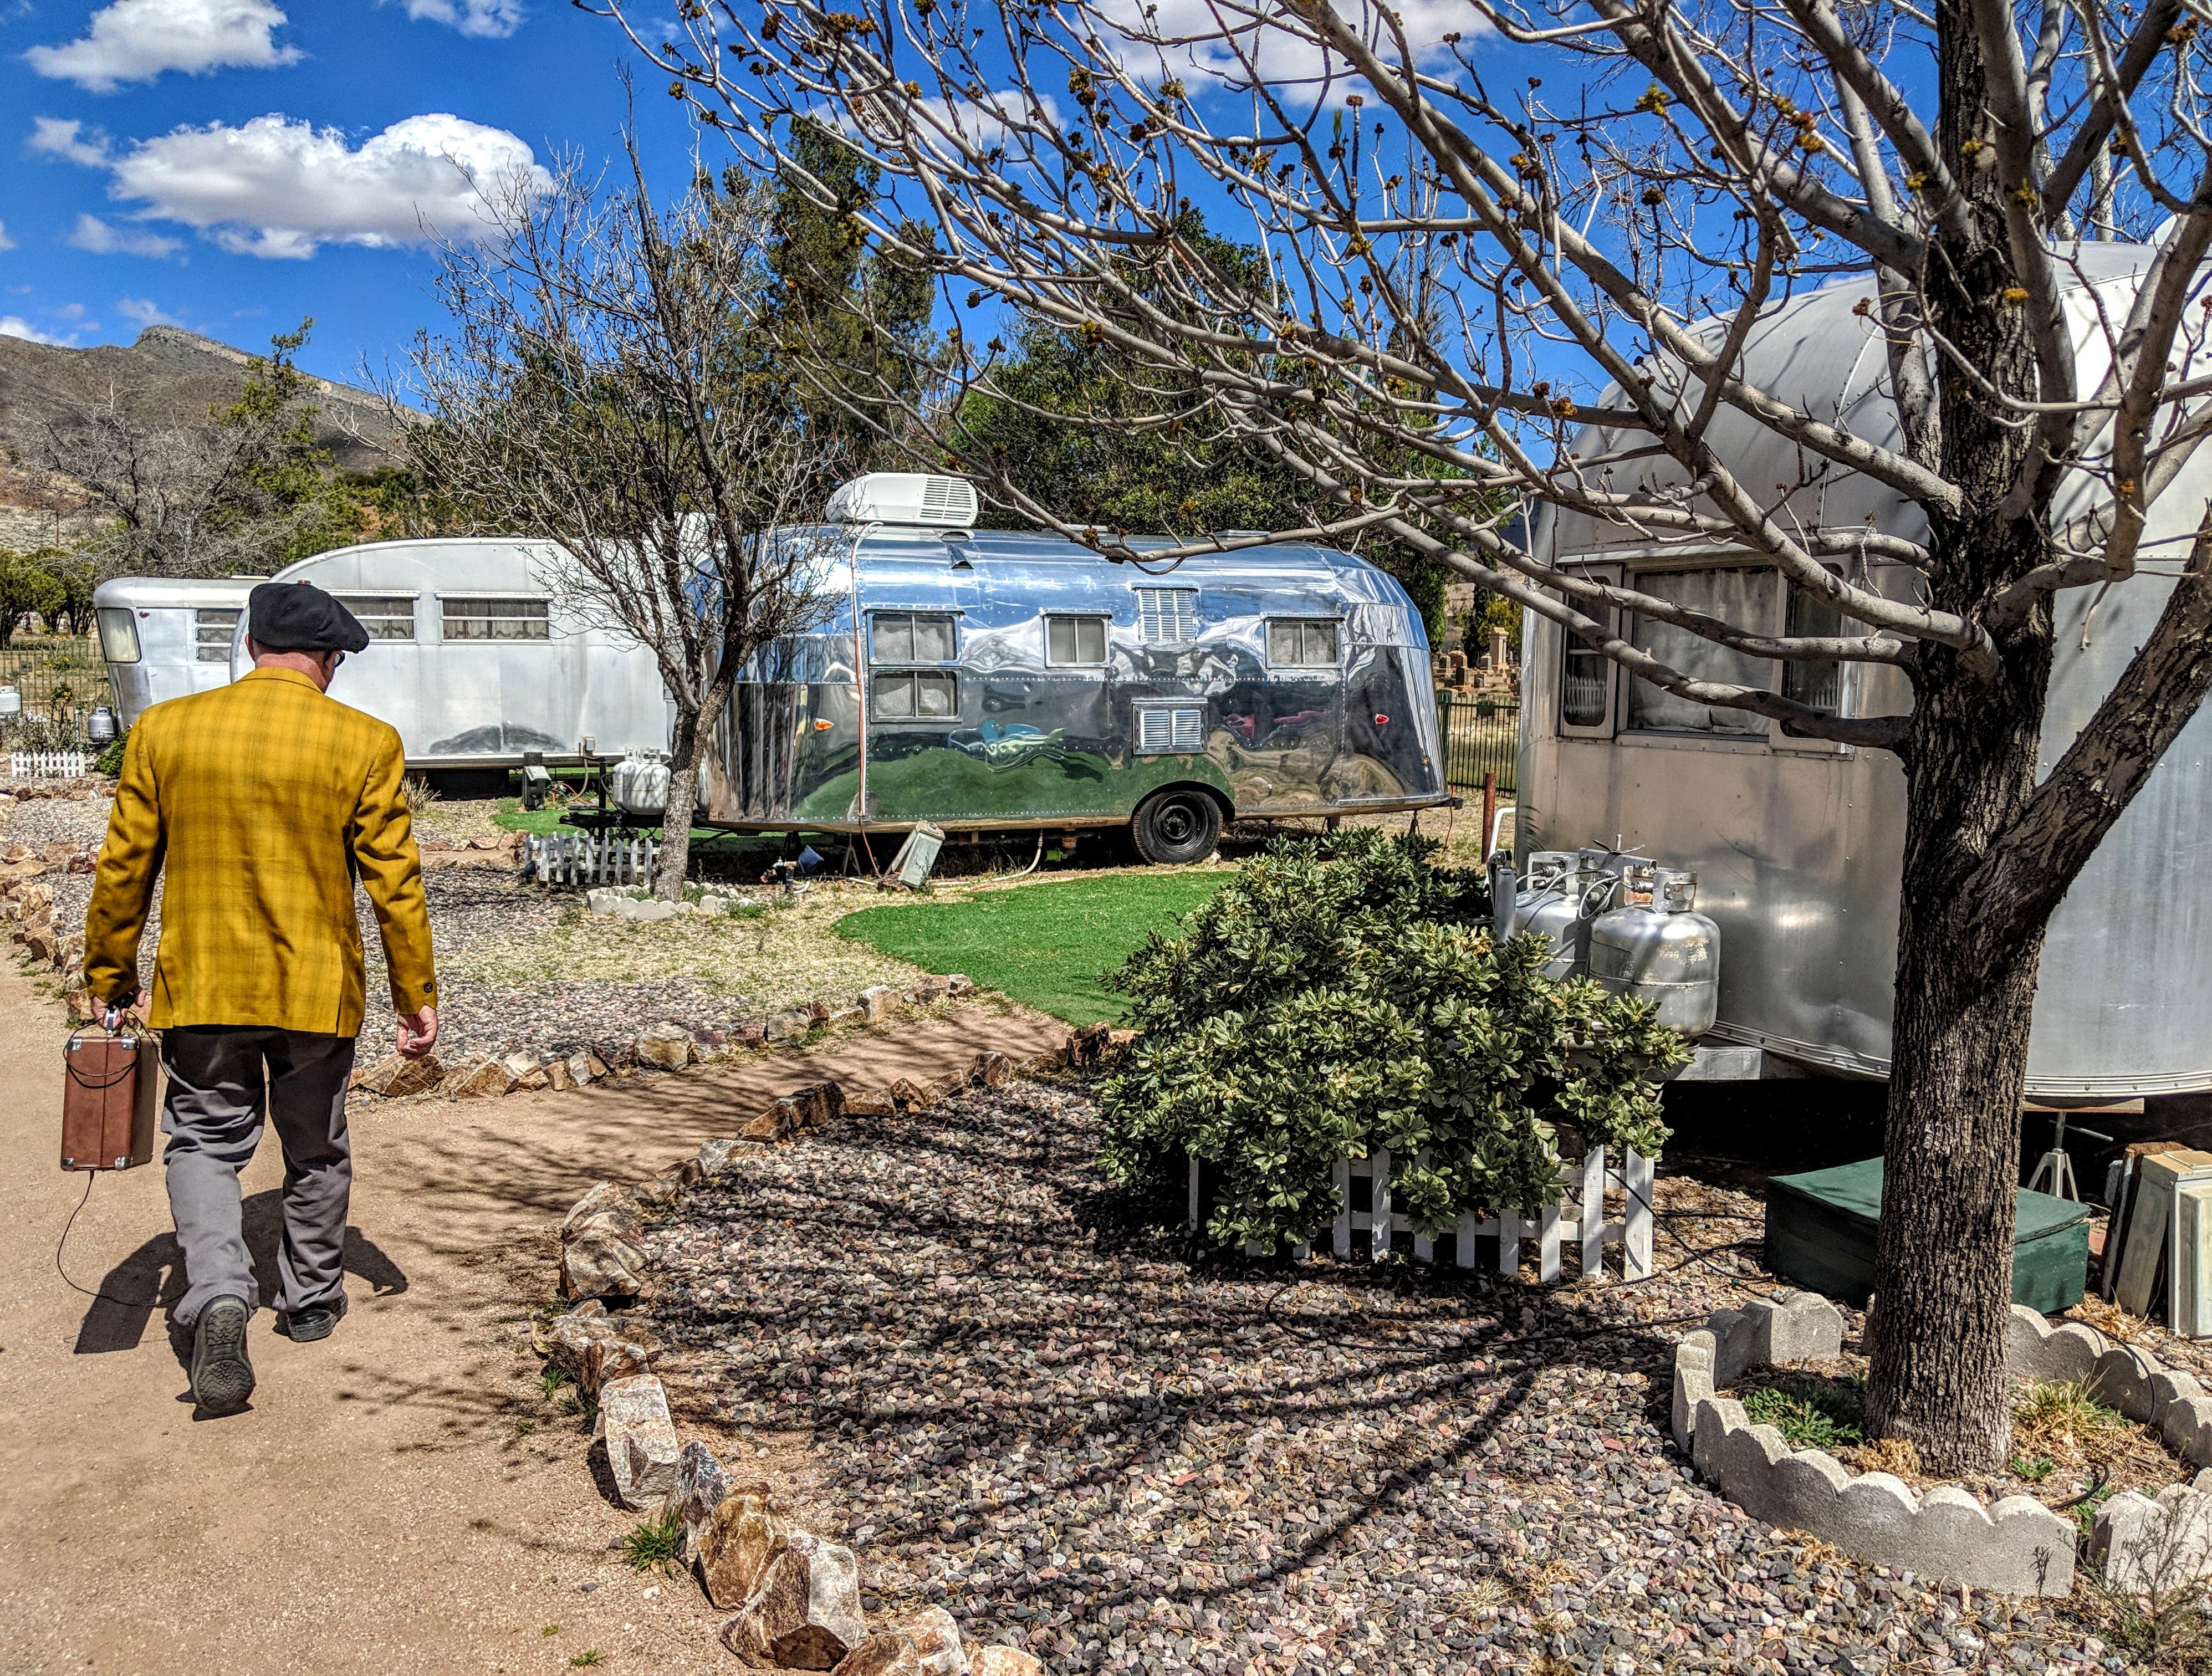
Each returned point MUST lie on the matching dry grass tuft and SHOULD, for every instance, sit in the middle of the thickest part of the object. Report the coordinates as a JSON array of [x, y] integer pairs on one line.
[[1899, 1456], [2061, 1419], [2108, 1319]]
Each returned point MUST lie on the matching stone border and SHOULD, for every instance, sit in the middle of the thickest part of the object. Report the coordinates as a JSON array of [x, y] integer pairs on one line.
[[2018, 1546], [796, 1596]]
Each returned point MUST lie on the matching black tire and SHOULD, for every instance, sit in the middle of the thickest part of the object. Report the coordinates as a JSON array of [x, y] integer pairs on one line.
[[1174, 829]]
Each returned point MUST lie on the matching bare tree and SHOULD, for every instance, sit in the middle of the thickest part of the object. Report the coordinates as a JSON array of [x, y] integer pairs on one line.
[[607, 387], [1549, 295], [240, 488]]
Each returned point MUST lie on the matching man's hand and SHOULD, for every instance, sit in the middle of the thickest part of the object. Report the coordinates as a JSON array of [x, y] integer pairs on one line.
[[418, 1032], [114, 1018]]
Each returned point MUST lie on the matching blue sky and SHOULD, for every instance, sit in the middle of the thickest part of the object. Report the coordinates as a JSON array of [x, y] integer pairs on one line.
[[233, 165]]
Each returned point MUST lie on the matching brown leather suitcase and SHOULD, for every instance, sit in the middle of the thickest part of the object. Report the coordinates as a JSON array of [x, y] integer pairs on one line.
[[107, 1100]]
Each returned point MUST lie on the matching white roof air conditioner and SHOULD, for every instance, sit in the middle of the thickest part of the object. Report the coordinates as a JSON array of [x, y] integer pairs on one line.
[[905, 497]]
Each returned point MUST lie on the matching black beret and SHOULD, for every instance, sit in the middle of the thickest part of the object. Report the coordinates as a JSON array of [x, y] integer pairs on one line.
[[298, 616]]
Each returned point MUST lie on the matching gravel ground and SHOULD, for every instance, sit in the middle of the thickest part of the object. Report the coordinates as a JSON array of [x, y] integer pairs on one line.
[[1030, 1407], [519, 966]]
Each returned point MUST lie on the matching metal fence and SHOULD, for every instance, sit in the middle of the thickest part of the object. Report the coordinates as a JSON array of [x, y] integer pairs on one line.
[[1481, 736], [60, 676]]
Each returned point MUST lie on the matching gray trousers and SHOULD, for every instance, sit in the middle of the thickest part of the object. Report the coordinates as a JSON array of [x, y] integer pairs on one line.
[[218, 1097]]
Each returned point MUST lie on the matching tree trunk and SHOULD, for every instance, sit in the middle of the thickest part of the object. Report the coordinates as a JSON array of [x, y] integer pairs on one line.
[[675, 857]]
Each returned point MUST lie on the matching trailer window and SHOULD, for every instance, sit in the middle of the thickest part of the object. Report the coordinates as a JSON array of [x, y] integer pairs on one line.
[[1301, 643], [911, 637], [1819, 686], [1738, 595], [915, 696], [387, 617], [119, 635], [1585, 682], [212, 632], [1075, 639], [1167, 616], [497, 619]]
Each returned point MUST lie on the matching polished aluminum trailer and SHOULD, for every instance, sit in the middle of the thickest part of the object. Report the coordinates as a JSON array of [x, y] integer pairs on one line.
[[476, 659], [163, 638], [1798, 843], [1022, 682]]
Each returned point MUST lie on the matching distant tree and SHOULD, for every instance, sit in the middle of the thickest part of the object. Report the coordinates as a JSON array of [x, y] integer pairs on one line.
[[76, 574], [847, 319], [600, 391], [26, 585], [1073, 421], [248, 490]]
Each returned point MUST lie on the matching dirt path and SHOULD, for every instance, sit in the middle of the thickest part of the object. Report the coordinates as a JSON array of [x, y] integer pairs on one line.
[[399, 1497]]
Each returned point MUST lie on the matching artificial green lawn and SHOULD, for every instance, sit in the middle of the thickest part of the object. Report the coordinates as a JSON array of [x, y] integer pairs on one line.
[[1043, 944]]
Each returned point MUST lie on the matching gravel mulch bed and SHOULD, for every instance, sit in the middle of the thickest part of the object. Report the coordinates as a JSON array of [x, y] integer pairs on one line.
[[78, 821], [1029, 1406], [523, 967]]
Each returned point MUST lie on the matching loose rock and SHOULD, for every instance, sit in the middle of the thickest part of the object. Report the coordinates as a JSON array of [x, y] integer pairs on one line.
[[885, 1654], [395, 1077], [700, 1487], [805, 1612], [936, 1637], [641, 1439], [668, 1046], [736, 1543]]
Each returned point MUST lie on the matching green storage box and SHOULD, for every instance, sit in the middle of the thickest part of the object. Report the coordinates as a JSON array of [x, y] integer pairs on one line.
[[1819, 1233]]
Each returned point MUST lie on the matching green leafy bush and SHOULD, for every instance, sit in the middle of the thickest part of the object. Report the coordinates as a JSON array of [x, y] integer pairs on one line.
[[1317, 1008], [110, 760]]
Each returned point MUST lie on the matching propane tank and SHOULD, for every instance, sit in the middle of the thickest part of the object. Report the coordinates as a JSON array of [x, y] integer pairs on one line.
[[100, 726], [640, 785], [1550, 905], [1655, 946]]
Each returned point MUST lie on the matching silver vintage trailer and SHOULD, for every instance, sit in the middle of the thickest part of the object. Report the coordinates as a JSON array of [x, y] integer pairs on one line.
[[163, 638], [1797, 843], [474, 658], [982, 680]]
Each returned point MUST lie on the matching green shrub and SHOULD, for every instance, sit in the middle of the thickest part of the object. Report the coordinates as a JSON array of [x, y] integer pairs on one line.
[[110, 760], [1317, 1008]]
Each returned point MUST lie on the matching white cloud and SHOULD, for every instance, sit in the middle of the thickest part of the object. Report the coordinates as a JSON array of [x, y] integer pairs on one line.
[[1231, 46], [6, 243], [15, 325], [135, 40], [100, 238], [69, 311], [144, 312], [275, 187], [493, 18], [70, 141]]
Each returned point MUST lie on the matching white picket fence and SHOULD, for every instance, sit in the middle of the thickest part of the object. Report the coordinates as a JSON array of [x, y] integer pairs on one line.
[[1577, 1218], [48, 764], [586, 858]]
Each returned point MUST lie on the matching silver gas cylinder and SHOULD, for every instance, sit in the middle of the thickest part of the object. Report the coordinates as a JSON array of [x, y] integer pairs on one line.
[[641, 784], [1655, 946]]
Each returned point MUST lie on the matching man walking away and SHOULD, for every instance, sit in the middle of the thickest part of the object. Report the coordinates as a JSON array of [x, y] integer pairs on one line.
[[261, 803]]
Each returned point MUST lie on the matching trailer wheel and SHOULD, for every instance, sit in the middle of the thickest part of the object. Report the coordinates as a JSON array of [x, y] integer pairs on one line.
[[1175, 828]]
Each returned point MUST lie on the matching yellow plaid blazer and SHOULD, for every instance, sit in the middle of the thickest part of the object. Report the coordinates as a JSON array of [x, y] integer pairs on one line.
[[261, 802]]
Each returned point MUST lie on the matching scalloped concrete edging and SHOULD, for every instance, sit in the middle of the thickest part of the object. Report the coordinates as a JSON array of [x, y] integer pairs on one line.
[[2019, 1546]]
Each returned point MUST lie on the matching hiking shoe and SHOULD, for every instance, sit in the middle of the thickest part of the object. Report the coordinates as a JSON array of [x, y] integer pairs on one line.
[[223, 1379], [317, 1320]]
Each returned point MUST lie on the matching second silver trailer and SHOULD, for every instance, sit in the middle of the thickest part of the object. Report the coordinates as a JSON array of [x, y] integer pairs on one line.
[[980, 679]]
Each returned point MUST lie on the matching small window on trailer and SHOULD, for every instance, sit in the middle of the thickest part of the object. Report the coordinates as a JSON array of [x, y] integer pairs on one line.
[[476, 617], [387, 617], [1170, 729], [212, 632], [1587, 675], [119, 635], [1167, 616], [914, 695], [1074, 641], [1301, 643], [911, 637]]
